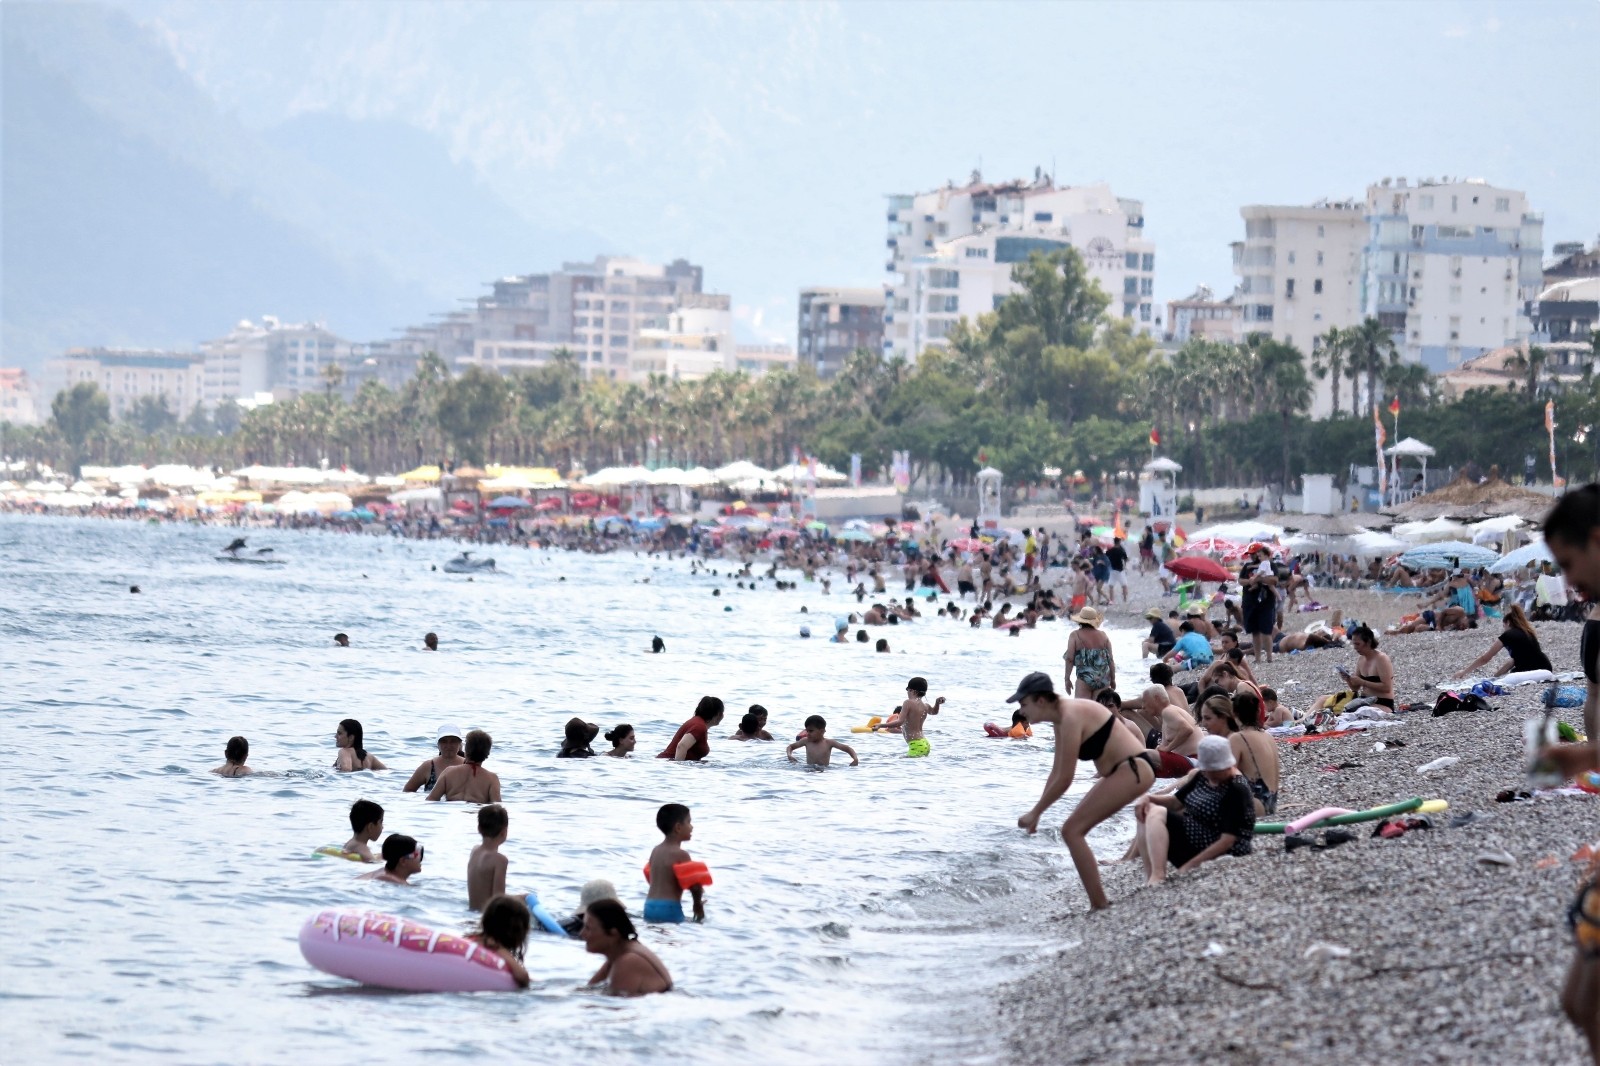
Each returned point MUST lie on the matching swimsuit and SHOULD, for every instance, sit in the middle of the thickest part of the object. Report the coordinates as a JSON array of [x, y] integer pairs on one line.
[[663, 910], [1094, 746], [1094, 667], [433, 775], [1258, 784], [917, 749], [1387, 701]]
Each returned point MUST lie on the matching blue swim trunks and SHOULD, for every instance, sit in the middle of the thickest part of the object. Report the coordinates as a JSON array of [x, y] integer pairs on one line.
[[663, 910]]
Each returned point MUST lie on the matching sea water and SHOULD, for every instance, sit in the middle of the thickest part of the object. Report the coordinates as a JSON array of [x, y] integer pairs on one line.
[[150, 908]]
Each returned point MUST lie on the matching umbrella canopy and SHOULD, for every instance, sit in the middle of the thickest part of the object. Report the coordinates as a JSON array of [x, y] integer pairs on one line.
[[505, 502], [1447, 555], [1412, 447], [1369, 544], [1422, 532], [1192, 568], [854, 534], [969, 544], [1240, 532], [421, 473], [1162, 465], [1209, 546], [817, 527], [1468, 498], [802, 472], [1492, 529], [1527, 555], [743, 470], [698, 478], [617, 476], [1324, 525]]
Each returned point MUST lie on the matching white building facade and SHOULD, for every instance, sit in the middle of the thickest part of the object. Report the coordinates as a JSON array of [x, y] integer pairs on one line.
[[1451, 267], [951, 252], [126, 374], [272, 357], [696, 341]]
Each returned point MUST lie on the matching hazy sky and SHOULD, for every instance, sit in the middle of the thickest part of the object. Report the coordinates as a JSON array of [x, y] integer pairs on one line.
[[759, 139]]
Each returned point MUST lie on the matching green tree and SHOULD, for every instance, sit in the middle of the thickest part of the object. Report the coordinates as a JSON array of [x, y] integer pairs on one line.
[[1282, 386], [469, 407], [1370, 352], [151, 415], [78, 414], [1328, 362], [1057, 297]]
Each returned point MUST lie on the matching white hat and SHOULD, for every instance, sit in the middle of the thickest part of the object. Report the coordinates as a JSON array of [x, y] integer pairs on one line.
[[449, 731], [595, 891], [1215, 754]]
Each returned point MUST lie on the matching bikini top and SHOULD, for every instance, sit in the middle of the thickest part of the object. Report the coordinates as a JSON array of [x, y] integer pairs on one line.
[[1094, 745]]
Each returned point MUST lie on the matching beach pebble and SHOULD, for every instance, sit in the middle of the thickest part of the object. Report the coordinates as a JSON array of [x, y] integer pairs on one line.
[[1323, 952], [1497, 857]]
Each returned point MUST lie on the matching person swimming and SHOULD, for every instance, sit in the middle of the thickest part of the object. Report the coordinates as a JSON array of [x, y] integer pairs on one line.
[[237, 752]]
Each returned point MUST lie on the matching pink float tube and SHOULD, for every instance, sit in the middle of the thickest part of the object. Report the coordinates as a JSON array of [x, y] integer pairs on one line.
[[387, 951], [1314, 817]]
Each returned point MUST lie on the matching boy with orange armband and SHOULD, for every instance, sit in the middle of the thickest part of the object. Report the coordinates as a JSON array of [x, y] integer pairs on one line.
[[671, 870]]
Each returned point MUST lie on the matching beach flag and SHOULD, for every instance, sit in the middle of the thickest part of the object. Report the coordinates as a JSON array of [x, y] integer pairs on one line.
[[1383, 471], [1394, 406], [1550, 429], [1155, 437]]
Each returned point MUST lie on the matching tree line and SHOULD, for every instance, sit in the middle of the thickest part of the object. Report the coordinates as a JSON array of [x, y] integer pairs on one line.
[[1046, 380]]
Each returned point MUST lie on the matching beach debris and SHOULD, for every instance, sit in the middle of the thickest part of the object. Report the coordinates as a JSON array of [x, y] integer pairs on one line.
[[1322, 951], [1547, 862], [1213, 950], [1466, 818], [1439, 764], [1497, 857]]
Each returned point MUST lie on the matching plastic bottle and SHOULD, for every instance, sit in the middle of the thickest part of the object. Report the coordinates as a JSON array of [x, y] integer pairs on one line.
[[1539, 731]]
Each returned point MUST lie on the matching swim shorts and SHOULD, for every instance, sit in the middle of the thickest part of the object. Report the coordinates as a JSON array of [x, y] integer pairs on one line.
[[917, 749], [663, 910], [1173, 764]]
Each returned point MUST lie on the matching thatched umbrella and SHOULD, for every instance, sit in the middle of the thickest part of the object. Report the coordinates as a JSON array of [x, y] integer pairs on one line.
[[1465, 498]]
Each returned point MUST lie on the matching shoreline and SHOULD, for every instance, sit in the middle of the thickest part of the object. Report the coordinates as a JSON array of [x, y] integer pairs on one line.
[[1450, 959]]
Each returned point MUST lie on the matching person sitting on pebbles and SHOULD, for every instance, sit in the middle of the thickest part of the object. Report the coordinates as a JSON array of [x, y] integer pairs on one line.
[[1211, 814]]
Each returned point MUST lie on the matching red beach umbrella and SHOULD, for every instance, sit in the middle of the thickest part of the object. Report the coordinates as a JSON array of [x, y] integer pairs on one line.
[[1199, 568]]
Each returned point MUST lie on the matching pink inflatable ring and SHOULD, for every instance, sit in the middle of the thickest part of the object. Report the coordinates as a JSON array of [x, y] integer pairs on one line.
[[387, 951]]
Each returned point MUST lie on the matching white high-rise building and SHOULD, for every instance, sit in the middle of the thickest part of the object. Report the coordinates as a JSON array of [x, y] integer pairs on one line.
[[1450, 267], [696, 341], [283, 359], [951, 252], [126, 374]]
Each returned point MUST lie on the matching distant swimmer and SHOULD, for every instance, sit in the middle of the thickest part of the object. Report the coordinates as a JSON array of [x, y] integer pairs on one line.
[[352, 756], [133, 589], [622, 740], [486, 867], [234, 548], [342, 639], [402, 857], [430, 642], [366, 823], [657, 645], [630, 969], [426, 775], [819, 746], [237, 752], [470, 782]]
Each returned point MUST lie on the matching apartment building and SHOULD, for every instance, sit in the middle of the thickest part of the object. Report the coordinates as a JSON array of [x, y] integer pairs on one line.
[[596, 310], [1451, 266], [760, 359], [283, 359], [835, 322], [18, 404], [695, 341], [125, 374], [951, 252], [1299, 271], [1201, 314]]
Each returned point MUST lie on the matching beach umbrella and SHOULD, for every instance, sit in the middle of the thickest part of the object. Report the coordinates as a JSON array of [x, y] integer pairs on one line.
[[854, 534], [1448, 554], [1209, 546], [1199, 568], [1527, 555], [505, 502], [1240, 532], [1437, 529], [969, 544], [817, 527]]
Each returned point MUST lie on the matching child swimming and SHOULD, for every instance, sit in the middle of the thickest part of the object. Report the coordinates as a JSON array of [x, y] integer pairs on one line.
[[913, 712], [503, 929], [366, 821], [486, 867], [402, 857], [818, 747], [665, 901]]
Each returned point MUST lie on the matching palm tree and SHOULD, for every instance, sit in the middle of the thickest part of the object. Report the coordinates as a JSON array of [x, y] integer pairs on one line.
[[1532, 363], [1372, 351], [1328, 361], [1282, 385]]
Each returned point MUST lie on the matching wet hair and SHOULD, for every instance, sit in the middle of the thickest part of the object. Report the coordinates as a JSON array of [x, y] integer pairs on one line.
[[612, 917], [750, 724], [430, 639], [1247, 708], [816, 721], [395, 848], [340, 638], [1018, 718], [1234, 654], [759, 711], [1186, 626], [882, 645], [492, 820], [1161, 674], [1222, 707], [708, 708], [238, 749], [657, 644], [670, 816], [353, 730], [619, 734], [918, 685], [1574, 517], [478, 745], [506, 920], [363, 813], [1366, 634], [861, 636]]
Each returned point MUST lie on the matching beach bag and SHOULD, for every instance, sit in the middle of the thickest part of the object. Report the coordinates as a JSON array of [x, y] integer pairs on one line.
[[1449, 702], [1325, 720]]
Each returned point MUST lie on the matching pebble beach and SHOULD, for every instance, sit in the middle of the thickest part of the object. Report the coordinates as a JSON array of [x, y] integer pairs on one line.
[[1411, 949]]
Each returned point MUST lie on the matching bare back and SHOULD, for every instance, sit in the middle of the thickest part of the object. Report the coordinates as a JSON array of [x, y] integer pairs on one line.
[[469, 783], [486, 876]]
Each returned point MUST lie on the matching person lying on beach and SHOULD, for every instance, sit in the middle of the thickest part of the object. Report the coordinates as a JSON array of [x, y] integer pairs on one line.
[[366, 823], [503, 929], [819, 747], [630, 969], [470, 782], [352, 756], [1083, 730], [402, 857], [1311, 640], [486, 867], [234, 756], [1211, 814], [1518, 640], [426, 775]]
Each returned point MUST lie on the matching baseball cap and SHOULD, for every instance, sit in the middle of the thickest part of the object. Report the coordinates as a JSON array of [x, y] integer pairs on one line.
[[1035, 684]]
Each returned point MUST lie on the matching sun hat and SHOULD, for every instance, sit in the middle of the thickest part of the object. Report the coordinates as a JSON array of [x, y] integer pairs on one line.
[[1214, 754], [1035, 684], [581, 732], [449, 731], [1195, 610], [1087, 617], [595, 891], [1154, 614]]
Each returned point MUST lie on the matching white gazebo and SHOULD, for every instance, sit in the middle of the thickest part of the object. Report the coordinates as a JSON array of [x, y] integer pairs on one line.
[[1158, 493], [1410, 448], [989, 480]]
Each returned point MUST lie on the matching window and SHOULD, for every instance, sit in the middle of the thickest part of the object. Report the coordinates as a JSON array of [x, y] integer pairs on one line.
[[977, 253], [1321, 232], [1455, 327], [1291, 259], [1130, 286], [1144, 312], [1131, 260], [1288, 289], [1127, 310], [1455, 294], [1043, 216], [1149, 261], [1502, 203], [938, 303], [1455, 203], [944, 279], [1146, 286], [619, 305], [1416, 233], [1316, 287], [943, 229], [1425, 201], [619, 341], [1319, 259], [1262, 312]]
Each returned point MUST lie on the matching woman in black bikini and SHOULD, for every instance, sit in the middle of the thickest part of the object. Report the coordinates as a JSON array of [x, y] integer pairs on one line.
[[1084, 730], [426, 775]]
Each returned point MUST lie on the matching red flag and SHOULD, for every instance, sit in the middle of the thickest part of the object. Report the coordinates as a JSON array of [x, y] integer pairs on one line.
[[1394, 406], [1155, 437]]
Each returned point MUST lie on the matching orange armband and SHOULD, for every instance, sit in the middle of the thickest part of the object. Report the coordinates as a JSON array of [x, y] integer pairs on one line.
[[692, 874]]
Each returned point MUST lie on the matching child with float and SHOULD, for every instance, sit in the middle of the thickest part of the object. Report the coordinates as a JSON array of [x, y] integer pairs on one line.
[[671, 870]]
